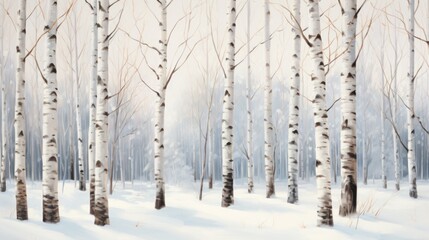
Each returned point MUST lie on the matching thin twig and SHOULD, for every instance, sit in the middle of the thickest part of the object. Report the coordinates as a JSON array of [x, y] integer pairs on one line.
[[332, 105]]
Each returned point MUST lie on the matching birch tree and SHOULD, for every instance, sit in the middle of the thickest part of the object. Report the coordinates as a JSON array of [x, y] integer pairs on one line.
[[122, 114], [50, 123], [101, 208], [383, 156], [323, 165], [207, 90], [392, 98], [250, 164], [268, 108], [77, 81], [228, 110], [348, 110], [164, 77], [160, 109], [410, 113], [396, 157], [211, 157], [3, 120], [294, 106], [93, 103], [19, 124]]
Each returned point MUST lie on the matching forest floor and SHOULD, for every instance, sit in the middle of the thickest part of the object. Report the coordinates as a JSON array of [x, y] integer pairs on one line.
[[383, 214]]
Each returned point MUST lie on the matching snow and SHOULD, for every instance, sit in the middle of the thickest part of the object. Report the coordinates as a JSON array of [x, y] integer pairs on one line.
[[383, 214]]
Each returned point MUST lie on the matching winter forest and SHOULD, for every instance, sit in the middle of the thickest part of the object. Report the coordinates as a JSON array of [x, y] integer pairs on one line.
[[235, 119]]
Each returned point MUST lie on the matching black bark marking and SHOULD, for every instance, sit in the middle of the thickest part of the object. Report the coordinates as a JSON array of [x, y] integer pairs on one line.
[[52, 67], [160, 199], [348, 197]]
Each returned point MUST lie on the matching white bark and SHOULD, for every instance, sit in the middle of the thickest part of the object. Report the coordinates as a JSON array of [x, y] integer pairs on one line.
[[20, 168], [3, 120], [82, 182], [194, 162], [228, 110], [101, 207], [410, 116], [92, 109], [383, 156], [396, 157], [160, 110], [364, 150], [348, 110], [323, 171], [50, 122], [294, 106], [268, 109], [250, 166], [211, 159]]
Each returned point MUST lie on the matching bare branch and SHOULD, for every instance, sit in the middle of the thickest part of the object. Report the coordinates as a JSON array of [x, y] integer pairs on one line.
[[216, 51], [253, 49], [113, 33], [423, 127], [297, 22], [40, 70], [65, 14], [241, 10], [179, 65], [175, 25], [397, 133], [144, 82], [111, 5], [251, 38], [168, 4], [140, 42], [151, 68], [32, 11], [278, 67], [8, 14], [90, 5], [151, 11], [332, 105]]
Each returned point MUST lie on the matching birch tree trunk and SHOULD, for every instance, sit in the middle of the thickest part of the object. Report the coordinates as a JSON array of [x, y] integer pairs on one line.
[[364, 148], [160, 109], [348, 110], [323, 165], [228, 110], [50, 122], [82, 182], [211, 159], [268, 115], [383, 156], [101, 207], [92, 109], [410, 116], [194, 162], [71, 149], [294, 107], [396, 157], [20, 168], [250, 170], [3, 120]]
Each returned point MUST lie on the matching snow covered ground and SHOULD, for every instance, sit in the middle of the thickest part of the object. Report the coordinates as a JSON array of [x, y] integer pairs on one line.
[[384, 214]]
